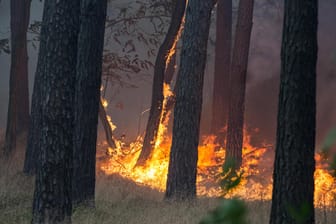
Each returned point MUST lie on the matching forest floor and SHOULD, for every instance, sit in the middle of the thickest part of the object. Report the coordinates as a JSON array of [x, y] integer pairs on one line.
[[118, 201]]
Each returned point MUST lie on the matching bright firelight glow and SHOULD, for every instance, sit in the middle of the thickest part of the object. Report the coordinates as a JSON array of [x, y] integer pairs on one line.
[[257, 167]]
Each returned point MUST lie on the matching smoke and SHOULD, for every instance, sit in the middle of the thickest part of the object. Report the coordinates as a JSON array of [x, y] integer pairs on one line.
[[264, 72], [263, 75]]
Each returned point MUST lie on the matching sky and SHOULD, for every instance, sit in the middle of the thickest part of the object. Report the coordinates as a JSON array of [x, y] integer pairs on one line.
[[262, 84]]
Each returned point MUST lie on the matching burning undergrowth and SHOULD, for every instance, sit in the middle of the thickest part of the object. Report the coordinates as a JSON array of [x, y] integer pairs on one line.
[[257, 166]]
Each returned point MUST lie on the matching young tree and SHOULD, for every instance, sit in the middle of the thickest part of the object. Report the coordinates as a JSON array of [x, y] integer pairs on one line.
[[220, 101], [234, 143], [293, 177], [181, 181], [158, 80], [55, 80], [87, 98], [18, 105]]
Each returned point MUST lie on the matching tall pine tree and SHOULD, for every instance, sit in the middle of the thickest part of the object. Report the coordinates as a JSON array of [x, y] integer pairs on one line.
[[55, 80], [293, 177], [181, 181]]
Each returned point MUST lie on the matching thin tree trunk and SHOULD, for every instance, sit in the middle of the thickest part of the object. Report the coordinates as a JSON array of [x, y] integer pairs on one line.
[[159, 73], [55, 130], [87, 98], [181, 181], [107, 127], [220, 101], [294, 166], [239, 64], [18, 105]]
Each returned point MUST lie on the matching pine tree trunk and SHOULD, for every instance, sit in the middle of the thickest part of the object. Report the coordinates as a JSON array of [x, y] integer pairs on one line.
[[220, 101], [239, 64], [293, 177], [55, 131], [87, 98], [159, 75], [18, 105], [181, 181]]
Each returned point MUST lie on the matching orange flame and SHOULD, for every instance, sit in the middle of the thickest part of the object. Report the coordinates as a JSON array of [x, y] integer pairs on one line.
[[257, 168], [256, 183]]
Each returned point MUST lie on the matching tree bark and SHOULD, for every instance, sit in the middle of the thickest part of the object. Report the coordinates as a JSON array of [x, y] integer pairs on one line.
[[234, 143], [293, 177], [220, 101], [55, 130], [159, 75], [87, 98], [181, 181], [18, 105]]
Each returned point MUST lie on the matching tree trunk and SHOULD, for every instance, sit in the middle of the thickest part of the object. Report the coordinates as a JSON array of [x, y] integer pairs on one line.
[[106, 125], [239, 63], [220, 101], [87, 98], [18, 105], [293, 177], [55, 131], [159, 73], [181, 181]]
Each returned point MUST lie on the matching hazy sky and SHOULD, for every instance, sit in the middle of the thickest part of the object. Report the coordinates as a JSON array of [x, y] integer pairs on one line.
[[263, 75]]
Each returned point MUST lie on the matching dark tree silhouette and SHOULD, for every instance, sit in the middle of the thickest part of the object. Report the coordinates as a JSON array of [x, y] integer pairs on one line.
[[293, 177], [87, 98], [55, 80], [181, 181], [234, 143], [158, 80], [220, 101], [18, 105]]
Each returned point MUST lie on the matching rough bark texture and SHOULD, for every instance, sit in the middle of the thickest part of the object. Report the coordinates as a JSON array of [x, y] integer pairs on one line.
[[87, 98], [59, 34], [18, 105], [220, 100], [181, 181], [234, 143], [159, 75], [293, 185]]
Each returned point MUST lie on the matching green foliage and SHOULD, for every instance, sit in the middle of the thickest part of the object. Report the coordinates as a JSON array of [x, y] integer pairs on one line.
[[231, 211], [300, 214], [230, 177], [328, 143], [228, 212]]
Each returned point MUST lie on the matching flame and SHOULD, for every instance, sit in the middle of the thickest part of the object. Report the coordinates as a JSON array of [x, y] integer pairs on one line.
[[257, 167], [177, 38], [163, 124], [256, 183]]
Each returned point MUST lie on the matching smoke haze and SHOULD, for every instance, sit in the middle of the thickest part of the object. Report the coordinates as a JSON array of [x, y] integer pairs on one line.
[[126, 105]]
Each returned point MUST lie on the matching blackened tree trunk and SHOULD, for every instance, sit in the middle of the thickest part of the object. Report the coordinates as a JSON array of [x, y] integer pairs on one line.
[[158, 79], [234, 143], [106, 125], [293, 177], [58, 55], [181, 181], [18, 105], [220, 100], [87, 98]]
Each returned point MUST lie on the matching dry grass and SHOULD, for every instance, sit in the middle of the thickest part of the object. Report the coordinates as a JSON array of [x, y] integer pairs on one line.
[[118, 201]]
